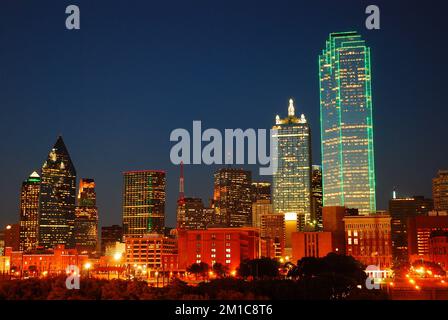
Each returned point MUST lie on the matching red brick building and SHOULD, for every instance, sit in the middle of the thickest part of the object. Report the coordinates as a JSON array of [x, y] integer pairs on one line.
[[310, 244], [273, 227], [228, 246], [438, 248], [45, 262], [419, 232], [368, 239], [153, 252]]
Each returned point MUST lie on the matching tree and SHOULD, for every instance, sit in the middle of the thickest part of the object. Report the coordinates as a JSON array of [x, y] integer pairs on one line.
[[336, 274], [264, 268], [220, 270], [198, 269]]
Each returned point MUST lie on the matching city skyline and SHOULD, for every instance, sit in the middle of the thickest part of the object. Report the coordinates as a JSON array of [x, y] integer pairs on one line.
[[104, 158]]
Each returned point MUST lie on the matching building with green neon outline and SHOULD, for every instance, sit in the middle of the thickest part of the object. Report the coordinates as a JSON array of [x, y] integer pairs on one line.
[[348, 168]]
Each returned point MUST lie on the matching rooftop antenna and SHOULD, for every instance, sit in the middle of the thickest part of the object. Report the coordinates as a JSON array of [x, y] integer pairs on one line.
[[181, 181]]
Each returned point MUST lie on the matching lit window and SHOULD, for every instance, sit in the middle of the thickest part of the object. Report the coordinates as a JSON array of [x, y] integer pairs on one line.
[[228, 250], [349, 240], [355, 241]]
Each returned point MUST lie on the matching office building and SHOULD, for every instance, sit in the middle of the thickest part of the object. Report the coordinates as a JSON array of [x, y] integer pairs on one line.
[[368, 239], [348, 168], [440, 191], [401, 210], [110, 235], [86, 218], [29, 212], [291, 190], [232, 197], [57, 199], [143, 202]]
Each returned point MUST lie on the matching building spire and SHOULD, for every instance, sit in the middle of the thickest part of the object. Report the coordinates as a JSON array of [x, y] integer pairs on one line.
[[291, 109]]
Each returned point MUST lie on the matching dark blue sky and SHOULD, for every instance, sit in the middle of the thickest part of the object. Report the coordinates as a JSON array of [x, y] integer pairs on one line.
[[139, 69]]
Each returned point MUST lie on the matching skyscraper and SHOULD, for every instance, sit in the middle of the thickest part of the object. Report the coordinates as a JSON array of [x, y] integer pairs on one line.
[[232, 197], [86, 221], [346, 123], [440, 191], [143, 202], [57, 198], [291, 191], [29, 212], [316, 196]]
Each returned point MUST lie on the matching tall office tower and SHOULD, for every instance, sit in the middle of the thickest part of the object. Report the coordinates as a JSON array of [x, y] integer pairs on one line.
[[29, 212], [291, 191], [316, 196], [57, 199], [346, 123], [110, 235], [86, 221], [401, 210], [440, 191], [232, 197], [261, 191], [143, 202], [191, 214]]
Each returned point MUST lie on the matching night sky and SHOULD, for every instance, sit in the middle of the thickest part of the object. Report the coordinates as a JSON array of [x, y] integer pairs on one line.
[[139, 69]]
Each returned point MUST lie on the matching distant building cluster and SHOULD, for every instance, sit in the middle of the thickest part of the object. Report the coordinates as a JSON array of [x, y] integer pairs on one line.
[[305, 211]]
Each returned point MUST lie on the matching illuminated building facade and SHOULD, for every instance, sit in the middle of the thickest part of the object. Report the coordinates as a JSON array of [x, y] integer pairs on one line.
[[29, 212], [41, 263], [148, 252], [438, 248], [273, 227], [310, 244], [110, 235], [440, 191], [228, 246], [57, 199], [420, 229], [316, 196], [368, 239], [292, 179], [143, 202], [86, 220], [348, 168], [232, 197], [259, 208], [191, 214], [401, 210]]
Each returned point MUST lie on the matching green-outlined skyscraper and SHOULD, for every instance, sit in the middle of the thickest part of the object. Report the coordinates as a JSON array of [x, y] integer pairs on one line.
[[348, 169]]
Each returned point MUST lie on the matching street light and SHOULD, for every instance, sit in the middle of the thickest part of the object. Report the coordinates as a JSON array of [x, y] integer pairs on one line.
[[87, 266], [117, 256]]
